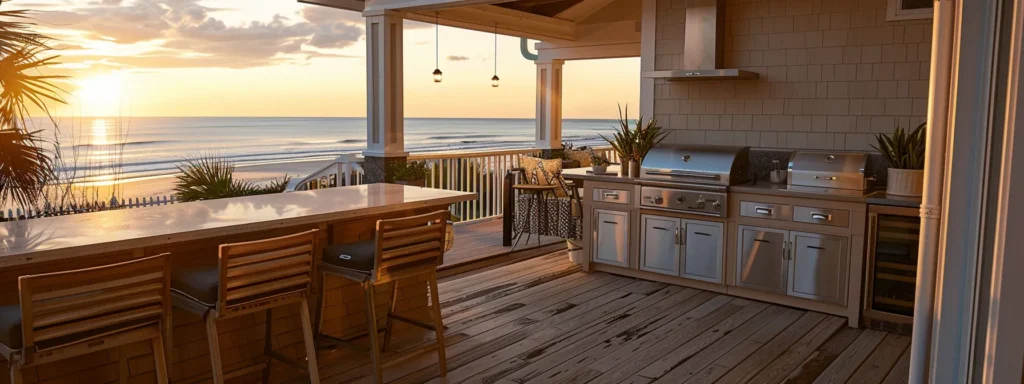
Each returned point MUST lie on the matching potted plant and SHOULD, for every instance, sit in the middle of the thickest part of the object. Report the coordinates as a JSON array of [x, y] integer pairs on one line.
[[598, 163], [413, 173], [648, 135], [622, 141], [904, 152]]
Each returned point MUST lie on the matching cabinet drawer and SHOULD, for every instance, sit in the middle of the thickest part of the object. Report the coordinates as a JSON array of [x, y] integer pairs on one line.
[[616, 196], [765, 210], [833, 217]]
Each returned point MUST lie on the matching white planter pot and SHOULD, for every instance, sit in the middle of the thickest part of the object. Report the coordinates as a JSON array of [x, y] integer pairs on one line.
[[576, 251], [905, 182], [599, 169]]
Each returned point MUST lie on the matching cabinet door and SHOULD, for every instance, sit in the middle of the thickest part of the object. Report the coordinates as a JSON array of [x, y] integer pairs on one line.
[[703, 250], [611, 242], [761, 260], [659, 248], [818, 267]]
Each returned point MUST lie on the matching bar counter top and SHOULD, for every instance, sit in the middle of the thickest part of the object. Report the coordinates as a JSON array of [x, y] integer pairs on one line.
[[63, 237]]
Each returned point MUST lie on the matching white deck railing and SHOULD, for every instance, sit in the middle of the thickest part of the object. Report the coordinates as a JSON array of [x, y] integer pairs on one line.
[[477, 172], [12, 214]]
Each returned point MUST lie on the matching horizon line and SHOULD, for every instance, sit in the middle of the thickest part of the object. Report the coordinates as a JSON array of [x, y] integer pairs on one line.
[[313, 117]]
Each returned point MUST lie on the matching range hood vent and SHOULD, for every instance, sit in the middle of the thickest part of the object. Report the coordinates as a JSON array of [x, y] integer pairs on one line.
[[703, 46]]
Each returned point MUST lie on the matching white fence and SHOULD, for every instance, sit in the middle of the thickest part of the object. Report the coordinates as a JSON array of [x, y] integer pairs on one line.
[[12, 214]]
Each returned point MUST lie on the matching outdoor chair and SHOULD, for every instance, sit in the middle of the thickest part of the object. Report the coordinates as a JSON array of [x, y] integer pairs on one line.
[[247, 278], [401, 248], [65, 315], [554, 214]]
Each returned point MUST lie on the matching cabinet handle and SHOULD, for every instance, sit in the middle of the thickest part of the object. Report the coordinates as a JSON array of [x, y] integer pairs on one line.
[[660, 228], [813, 247], [610, 222], [785, 250], [681, 234], [790, 250], [763, 210], [821, 216], [832, 178], [676, 239], [764, 241], [702, 234]]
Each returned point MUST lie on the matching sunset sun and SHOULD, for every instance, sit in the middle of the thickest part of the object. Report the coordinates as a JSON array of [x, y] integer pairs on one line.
[[102, 95]]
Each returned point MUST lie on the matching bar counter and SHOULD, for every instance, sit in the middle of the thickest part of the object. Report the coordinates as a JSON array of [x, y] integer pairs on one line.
[[192, 232]]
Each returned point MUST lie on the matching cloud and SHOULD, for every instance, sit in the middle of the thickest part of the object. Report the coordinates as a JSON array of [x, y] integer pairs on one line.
[[185, 33], [457, 58]]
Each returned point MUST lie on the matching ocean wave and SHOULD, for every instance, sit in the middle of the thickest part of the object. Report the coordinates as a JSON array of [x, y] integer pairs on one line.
[[127, 144], [352, 141], [469, 136]]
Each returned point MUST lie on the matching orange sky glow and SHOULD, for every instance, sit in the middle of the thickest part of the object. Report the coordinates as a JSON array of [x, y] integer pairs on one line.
[[283, 58]]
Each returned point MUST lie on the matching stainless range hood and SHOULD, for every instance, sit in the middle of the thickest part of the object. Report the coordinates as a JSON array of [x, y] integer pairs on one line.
[[703, 46]]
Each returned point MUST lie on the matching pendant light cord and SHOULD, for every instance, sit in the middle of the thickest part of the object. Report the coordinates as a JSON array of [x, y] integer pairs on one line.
[[437, 41], [495, 49]]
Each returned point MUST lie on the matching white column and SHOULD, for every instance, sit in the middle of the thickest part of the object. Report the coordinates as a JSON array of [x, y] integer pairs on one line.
[[385, 130], [549, 104]]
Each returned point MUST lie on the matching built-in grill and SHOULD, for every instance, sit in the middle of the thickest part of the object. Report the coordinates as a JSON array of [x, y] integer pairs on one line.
[[692, 179], [839, 173]]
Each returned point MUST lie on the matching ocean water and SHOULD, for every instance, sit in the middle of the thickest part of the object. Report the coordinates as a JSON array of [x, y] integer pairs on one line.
[[97, 148]]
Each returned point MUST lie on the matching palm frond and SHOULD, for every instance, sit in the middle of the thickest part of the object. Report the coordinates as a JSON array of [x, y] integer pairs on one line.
[[23, 87], [25, 167]]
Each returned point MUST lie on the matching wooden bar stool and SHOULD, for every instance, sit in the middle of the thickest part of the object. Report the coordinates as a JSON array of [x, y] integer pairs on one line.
[[64, 315], [401, 248], [251, 277]]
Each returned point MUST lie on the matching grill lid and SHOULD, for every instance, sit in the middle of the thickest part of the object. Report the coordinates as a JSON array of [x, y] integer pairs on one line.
[[830, 170], [700, 164]]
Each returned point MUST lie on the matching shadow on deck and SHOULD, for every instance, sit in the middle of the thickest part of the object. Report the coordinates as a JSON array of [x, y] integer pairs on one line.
[[478, 245]]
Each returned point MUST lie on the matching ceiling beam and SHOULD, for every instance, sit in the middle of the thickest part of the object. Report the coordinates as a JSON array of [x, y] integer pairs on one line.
[[421, 5], [582, 10], [348, 5], [510, 22]]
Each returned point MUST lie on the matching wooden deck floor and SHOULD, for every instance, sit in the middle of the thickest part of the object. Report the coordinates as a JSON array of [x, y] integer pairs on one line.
[[482, 240], [543, 321]]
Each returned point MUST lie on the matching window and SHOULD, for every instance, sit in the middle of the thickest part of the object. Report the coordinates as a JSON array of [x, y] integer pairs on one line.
[[910, 9]]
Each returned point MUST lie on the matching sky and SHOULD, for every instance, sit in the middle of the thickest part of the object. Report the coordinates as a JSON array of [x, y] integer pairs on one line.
[[283, 58]]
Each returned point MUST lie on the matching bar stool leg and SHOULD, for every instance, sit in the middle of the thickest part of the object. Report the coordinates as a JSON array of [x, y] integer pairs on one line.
[[371, 325], [160, 359], [268, 345], [15, 374], [321, 303], [435, 311], [213, 338], [391, 310], [307, 334]]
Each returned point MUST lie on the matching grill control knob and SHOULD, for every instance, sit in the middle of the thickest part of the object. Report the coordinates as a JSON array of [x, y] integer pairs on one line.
[[680, 199], [717, 206], [658, 200], [700, 201]]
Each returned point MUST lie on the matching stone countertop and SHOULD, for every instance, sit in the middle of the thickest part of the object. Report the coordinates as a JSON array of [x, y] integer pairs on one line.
[[611, 177], [53, 238], [881, 198]]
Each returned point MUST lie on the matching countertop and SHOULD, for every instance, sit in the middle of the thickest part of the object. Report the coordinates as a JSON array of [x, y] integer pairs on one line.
[[51, 238], [881, 198], [585, 174]]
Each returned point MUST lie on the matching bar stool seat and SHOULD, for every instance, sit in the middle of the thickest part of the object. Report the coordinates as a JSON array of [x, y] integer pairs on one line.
[[200, 283], [356, 257]]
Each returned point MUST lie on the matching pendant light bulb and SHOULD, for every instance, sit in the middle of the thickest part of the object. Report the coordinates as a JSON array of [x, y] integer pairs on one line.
[[495, 80], [437, 50]]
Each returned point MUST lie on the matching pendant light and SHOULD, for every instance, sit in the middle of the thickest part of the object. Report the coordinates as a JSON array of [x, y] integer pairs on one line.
[[495, 79], [437, 50]]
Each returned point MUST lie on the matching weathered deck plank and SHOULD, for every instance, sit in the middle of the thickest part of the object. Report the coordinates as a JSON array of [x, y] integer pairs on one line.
[[544, 321]]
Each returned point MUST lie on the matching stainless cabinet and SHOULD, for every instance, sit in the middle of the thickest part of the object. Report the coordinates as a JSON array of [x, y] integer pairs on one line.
[[659, 249], [611, 237], [702, 252], [688, 248], [818, 267], [761, 259]]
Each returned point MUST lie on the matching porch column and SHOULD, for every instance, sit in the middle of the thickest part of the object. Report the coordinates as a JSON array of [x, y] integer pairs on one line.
[[385, 131], [549, 105]]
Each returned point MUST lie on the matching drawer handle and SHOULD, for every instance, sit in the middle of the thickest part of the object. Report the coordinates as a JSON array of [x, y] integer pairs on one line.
[[611, 195], [610, 222], [833, 178], [676, 240], [764, 210], [813, 247], [763, 241], [821, 216], [660, 228], [702, 234]]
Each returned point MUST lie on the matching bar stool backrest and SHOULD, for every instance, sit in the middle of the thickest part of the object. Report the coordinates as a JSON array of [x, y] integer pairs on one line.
[[65, 308], [410, 245], [257, 271]]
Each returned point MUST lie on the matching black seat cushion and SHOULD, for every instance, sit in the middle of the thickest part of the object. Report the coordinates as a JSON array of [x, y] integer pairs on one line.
[[356, 256], [10, 326], [199, 282]]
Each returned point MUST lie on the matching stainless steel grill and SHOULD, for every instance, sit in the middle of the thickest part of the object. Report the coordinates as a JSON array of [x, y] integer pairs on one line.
[[830, 172], [692, 179]]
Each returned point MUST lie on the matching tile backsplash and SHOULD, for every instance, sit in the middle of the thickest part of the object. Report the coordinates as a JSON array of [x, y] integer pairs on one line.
[[832, 74]]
